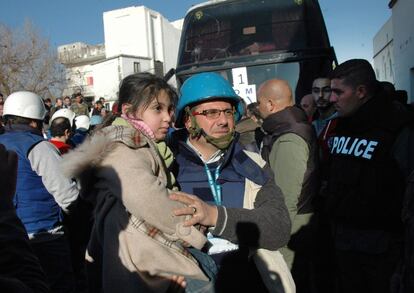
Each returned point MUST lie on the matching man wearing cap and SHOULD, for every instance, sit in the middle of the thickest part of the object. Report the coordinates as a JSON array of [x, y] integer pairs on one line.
[[236, 196], [42, 191]]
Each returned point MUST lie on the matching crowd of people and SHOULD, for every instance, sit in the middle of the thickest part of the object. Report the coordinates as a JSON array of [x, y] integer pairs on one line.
[[198, 192]]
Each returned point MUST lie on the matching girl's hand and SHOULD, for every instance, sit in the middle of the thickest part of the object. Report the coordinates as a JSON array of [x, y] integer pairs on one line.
[[201, 212], [177, 284]]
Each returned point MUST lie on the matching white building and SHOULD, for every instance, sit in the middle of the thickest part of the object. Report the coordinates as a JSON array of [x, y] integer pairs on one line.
[[137, 39], [403, 27], [77, 58], [383, 53], [396, 37]]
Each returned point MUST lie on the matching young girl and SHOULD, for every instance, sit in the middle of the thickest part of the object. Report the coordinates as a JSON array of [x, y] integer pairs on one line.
[[137, 244]]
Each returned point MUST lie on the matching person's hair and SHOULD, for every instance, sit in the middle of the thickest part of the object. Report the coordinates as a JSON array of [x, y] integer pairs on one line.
[[11, 120], [401, 96], [387, 86], [252, 110], [244, 105], [57, 99], [78, 95], [140, 89], [59, 125], [99, 102], [67, 97], [356, 72], [115, 108]]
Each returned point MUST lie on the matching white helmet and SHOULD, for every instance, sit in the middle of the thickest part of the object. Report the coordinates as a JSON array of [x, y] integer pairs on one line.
[[82, 121], [65, 113], [25, 104]]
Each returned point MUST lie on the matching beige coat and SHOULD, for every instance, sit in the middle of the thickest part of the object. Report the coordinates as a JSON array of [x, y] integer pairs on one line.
[[136, 240], [270, 263]]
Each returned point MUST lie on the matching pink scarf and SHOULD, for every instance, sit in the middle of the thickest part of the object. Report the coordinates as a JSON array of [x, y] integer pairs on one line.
[[139, 125]]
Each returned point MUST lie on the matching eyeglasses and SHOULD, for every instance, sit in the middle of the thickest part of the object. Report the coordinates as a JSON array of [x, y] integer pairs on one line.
[[215, 113]]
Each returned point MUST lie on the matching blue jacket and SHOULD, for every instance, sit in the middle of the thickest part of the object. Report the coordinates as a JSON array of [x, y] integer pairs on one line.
[[35, 206], [78, 137]]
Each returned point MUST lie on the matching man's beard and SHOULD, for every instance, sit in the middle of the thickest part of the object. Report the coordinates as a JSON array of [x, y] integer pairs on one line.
[[325, 106]]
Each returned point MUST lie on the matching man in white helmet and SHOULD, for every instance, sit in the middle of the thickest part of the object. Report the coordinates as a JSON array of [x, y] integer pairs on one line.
[[61, 125], [42, 191], [82, 123]]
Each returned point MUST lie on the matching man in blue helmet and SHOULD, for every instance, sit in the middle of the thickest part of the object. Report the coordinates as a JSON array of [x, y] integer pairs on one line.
[[236, 198]]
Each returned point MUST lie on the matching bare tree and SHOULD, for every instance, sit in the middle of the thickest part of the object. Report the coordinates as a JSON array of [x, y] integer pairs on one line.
[[27, 62]]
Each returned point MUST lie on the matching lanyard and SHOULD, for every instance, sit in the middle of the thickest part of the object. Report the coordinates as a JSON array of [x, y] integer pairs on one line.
[[215, 188]]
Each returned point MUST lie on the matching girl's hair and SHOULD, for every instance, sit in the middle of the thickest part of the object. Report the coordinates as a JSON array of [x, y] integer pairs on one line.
[[139, 89]]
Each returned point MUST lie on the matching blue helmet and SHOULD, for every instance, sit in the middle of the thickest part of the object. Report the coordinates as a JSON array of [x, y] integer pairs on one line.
[[95, 120], [203, 87]]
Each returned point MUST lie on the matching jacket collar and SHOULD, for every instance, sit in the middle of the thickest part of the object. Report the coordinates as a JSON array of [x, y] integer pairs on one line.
[[379, 111], [281, 120], [234, 155], [191, 154], [22, 128]]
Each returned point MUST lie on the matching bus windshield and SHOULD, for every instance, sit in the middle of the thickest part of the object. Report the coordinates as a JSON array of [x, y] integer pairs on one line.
[[251, 27]]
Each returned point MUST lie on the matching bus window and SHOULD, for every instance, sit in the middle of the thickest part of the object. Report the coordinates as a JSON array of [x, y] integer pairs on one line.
[[251, 27], [298, 74], [284, 39]]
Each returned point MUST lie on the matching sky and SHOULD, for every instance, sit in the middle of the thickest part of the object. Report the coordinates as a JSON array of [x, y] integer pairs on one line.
[[351, 24]]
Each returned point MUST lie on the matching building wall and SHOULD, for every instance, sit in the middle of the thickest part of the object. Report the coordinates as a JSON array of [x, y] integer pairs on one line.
[[132, 35], [106, 79], [140, 31], [383, 53], [127, 65], [108, 74], [79, 80], [171, 35], [403, 26], [80, 53], [125, 32]]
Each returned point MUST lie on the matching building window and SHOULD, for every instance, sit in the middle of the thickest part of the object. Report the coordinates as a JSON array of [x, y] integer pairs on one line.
[[136, 67]]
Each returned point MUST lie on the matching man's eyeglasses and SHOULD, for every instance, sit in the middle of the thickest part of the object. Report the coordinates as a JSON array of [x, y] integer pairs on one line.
[[215, 113]]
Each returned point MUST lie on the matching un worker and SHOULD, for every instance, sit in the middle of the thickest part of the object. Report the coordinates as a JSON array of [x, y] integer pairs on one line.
[[365, 185]]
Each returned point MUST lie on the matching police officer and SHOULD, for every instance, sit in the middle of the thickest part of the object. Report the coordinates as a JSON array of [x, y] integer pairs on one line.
[[42, 191], [365, 184]]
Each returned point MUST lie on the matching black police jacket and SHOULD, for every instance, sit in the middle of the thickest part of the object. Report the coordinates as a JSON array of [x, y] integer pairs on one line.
[[366, 185]]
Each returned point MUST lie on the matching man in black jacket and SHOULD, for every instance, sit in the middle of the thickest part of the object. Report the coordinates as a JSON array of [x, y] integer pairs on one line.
[[365, 185]]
